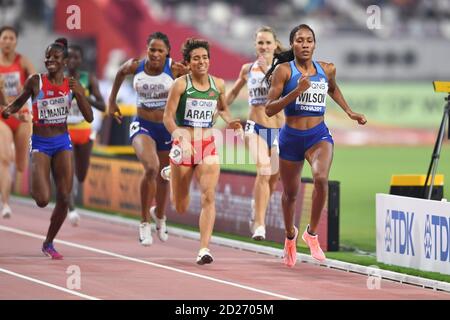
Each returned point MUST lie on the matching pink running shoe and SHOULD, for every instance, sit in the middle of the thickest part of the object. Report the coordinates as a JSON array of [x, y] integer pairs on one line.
[[50, 251], [290, 250], [314, 246]]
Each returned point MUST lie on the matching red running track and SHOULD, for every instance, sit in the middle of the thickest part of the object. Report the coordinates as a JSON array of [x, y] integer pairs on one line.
[[113, 265]]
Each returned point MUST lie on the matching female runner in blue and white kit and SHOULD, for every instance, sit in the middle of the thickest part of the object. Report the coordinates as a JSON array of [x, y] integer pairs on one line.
[[51, 148], [299, 85], [153, 78], [261, 131]]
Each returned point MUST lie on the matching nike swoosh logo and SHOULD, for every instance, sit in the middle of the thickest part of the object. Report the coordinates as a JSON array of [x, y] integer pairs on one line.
[[167, 142], [190, 92]]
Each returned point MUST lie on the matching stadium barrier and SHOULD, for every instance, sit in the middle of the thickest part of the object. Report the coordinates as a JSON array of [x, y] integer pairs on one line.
[[408, 185], [413, 232], [114, 176], [113, 185]]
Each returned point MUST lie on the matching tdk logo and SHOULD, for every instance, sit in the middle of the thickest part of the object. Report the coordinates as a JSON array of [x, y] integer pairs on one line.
[[398, 232], [428, 239], [388, 232], [437, 236]]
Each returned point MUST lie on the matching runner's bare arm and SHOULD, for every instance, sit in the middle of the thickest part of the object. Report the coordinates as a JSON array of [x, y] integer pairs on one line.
[[82, 102], [335, 93], [2, 93], [179, 69], [238, 84], [279, 78], [30, 88], [170, 110], [223, 108], [98, 103], [127, 68], [27, 66]]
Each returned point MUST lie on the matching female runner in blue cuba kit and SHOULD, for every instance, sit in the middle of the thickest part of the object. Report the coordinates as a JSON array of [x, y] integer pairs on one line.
[[51, 147]]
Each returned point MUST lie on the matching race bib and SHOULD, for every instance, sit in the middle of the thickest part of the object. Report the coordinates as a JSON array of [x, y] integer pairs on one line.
[[313, 99], [53, 110], [12, 83], [199, 112], [258, 95], [75, 115], [153, 99], [250, 127], [152, 93]]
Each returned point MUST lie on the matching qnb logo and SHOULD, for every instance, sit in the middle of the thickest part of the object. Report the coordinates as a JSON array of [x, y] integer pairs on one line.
[[439, 231], [428, 239], [387, 232], [319, 85], [400, 228]]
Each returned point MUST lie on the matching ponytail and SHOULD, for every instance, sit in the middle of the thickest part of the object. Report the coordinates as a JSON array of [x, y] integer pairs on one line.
[[61, 44], [286, 56], [279, 58]]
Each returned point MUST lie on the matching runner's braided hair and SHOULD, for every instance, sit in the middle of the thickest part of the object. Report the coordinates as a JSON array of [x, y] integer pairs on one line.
[[160, 36], [60, 44]]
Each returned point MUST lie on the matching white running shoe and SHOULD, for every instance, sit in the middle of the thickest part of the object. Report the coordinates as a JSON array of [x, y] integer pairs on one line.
[[251, 222], [6, 211], [165, 173], [204, 256], [74, 218], [145, 234], [161, 227], [259, 234]]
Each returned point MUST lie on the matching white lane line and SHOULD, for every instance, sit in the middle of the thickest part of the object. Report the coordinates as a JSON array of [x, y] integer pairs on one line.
[[157, 265], [21, 276]]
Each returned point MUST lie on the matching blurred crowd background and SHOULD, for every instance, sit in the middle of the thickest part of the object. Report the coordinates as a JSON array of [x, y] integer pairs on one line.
[[385, 72]]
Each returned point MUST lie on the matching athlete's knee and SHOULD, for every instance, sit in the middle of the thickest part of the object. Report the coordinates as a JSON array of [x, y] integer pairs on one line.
[[41, 200], [63, 198], [4, 165], [21, 166], [208, 198], [289, 196], [273, 185], [263, 178], [151, 172], [182, 205], [5, 158], [264, 170], [81, 176], [320, 181]]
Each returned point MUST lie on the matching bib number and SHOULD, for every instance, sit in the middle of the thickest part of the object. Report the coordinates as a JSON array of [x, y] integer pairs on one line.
[[250, 127]]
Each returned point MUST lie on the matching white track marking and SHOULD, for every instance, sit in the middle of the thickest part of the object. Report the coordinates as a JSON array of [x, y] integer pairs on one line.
[[157, 265], [21, 276]]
